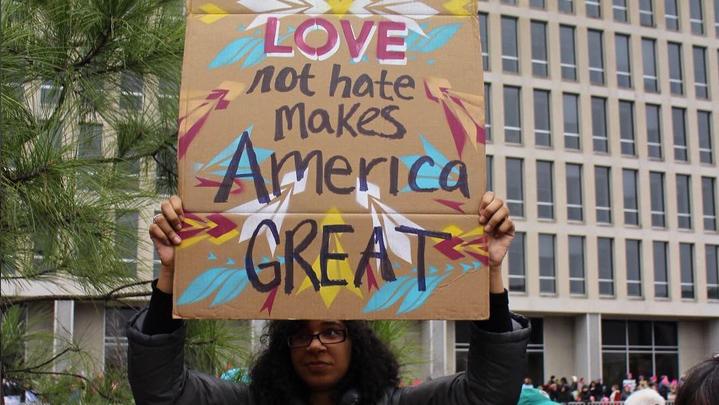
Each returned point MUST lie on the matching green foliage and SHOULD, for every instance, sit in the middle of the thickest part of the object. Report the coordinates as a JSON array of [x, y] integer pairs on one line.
[[65, 63], [395, 334], [215, 346]]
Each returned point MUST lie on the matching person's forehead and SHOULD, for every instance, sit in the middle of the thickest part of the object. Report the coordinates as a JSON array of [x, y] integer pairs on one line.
[[325, 323]]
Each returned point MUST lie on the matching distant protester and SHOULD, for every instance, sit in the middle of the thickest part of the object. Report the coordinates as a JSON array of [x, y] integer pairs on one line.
[[701, 386]]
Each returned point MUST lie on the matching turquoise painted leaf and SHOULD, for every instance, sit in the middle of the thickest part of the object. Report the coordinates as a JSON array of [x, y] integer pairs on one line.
[[233, 52], [389, 294], [416, 298], [233, 287], [413, 37], [436, 39], [204, 285], [256, 53]]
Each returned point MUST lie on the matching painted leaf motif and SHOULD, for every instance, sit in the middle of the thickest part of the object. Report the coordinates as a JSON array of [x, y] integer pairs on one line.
[[204, 285], [389, 294], [416, 298], [256, 53], [233, 52], [233, 287], [434, 40]]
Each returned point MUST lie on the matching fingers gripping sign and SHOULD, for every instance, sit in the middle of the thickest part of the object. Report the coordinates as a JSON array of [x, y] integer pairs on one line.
[[494, 216], [163, 232]]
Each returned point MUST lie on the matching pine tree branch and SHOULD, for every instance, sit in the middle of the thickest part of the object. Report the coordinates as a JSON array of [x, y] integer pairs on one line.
[[94, 51], [44, 363], [80, 297], [79, 376]]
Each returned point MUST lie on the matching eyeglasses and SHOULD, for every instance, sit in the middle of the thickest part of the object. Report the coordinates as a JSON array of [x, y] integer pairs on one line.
[[326, 337]]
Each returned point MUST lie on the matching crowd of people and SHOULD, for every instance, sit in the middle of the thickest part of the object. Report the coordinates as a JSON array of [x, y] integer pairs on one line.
[[563, 390]]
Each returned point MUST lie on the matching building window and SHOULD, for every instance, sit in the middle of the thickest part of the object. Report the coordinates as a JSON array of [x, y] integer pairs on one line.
[[547, 278], [594, 8], [654, 131], [49, 94], [671, 15], [712, 260], [661, 279], [515, 186], [619, 8], [626, 128], [537, 4], [596, 56], [572, 138], [680, 136], [676, 75], [576, 265], [716, 18], [510, 2], [517, 268], [684, 202], [602, 190], [575, 212], [488, 111], [116, 320], [706, 153], [649, 58], [165, 165], [542, 118], [709, 203], [545, 189], [512, 115], [624, 62], [540, 62], [600, 141], [490, 173], [696, 17], [126, 238], [634, 267], [701, 85], [646, 13], [167, 93], [484, 35], [605, 255], [639, 347], [631, 199], [89, 143], [686, 266], [656, 189], [568, 58], [566, 6], [510, 45], [131, 95]]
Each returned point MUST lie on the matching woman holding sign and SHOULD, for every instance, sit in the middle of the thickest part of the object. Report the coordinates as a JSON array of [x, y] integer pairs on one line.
[[326, 362]]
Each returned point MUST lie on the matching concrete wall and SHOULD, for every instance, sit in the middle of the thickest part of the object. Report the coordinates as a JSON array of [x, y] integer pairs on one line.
[[89, 333], [559, 346], [692, 346]]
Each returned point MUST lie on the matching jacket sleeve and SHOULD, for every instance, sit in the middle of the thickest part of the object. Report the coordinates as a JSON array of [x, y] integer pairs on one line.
[[495, 368], [158, 375]]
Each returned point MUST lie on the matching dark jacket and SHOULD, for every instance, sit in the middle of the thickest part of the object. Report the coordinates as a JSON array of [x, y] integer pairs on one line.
[[496, 366]]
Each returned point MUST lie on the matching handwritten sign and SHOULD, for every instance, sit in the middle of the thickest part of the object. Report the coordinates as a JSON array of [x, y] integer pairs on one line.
[[331, 159]]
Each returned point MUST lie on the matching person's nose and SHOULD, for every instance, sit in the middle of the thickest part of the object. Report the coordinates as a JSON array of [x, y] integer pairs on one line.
[[315, 345]]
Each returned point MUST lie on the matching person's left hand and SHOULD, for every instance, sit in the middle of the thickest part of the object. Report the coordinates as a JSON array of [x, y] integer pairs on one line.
[[498, 226]]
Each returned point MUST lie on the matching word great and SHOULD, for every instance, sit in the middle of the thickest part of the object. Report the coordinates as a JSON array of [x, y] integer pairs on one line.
[[295, 247], [391, 35]]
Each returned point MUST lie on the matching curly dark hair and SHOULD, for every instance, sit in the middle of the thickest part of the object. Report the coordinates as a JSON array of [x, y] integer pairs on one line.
[[702, 384], [373, 368]]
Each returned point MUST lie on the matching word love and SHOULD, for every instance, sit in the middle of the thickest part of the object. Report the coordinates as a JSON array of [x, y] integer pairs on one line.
[[390, 50]]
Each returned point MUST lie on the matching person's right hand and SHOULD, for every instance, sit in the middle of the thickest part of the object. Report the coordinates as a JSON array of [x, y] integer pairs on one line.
[[163, 232]]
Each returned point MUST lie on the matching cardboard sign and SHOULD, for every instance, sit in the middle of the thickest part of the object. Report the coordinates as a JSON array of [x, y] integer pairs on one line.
[[331, 158]]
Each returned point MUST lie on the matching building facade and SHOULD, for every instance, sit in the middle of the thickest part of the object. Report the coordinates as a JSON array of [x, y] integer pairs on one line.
[[603, 132]]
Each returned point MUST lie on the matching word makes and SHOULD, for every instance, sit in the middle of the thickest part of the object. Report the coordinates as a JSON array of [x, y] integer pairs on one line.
[[293, 253], [391, 35]]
